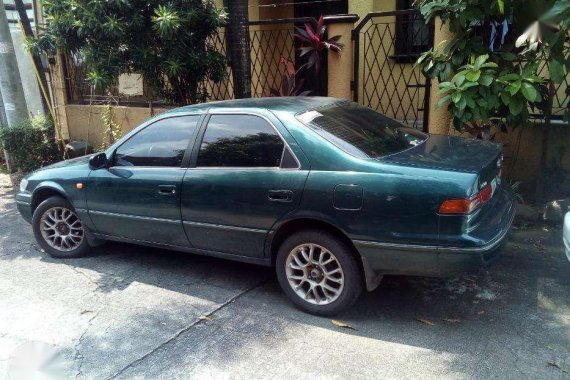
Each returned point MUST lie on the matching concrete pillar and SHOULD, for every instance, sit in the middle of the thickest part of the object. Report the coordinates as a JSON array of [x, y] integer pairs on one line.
[[439, 118], [10, 84], [340, 67]]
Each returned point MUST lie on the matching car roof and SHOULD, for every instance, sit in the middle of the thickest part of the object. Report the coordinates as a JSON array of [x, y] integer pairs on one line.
[[292, 104]]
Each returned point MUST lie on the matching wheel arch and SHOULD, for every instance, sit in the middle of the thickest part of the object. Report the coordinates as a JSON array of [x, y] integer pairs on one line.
[[286, 229], [45, 191]]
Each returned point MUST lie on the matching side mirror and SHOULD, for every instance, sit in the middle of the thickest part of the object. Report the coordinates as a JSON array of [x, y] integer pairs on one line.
[[98, 161]]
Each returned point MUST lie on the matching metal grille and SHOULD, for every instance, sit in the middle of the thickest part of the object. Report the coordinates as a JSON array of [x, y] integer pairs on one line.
[[561, 95], [385, 79], [267, 48], [270, 40]]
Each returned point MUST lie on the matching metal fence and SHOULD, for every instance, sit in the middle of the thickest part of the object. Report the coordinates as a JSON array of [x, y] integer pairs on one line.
[[270, 41], [385, 79]]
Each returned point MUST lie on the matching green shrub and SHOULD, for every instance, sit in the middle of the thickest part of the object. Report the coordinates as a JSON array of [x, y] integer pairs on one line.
[[31, 144]]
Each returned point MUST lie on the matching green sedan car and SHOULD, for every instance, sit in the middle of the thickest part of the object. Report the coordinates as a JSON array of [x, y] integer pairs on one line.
[[332, 194]]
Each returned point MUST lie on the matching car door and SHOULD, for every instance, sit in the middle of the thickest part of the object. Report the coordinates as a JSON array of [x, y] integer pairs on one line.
[[245, 178], [138, 196]]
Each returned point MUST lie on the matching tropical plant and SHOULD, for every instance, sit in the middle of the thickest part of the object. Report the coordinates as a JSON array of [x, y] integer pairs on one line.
[[165, 41], [290, 85], [315, 42], [512, 81], [313, 45], [483, 86], [479, 97]]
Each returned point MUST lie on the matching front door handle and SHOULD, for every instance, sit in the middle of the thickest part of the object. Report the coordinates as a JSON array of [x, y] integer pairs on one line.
[[280, 195], [166, 189]]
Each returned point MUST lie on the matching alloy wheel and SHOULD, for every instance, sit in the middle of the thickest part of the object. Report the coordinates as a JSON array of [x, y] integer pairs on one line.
[[315, 274], [61, 229]]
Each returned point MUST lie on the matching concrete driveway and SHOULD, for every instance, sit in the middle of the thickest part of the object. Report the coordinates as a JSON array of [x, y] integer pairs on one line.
[[132, 312]]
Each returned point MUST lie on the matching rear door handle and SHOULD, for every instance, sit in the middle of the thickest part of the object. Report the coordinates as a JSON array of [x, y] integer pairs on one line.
[[280, 195], [166, 189]]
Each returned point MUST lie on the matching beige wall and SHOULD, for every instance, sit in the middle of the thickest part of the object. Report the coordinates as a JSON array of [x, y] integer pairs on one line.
[[85, 122]]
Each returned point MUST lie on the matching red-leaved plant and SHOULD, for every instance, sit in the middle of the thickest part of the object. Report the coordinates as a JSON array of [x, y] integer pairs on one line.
[[290, 85], [314, 43]]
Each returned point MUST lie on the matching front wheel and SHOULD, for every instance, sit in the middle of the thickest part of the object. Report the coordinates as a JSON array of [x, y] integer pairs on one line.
[[318, 272], [58, 229]]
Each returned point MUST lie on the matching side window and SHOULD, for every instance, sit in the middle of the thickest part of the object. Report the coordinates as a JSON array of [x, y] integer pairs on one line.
[[240, 141], [160, 144]]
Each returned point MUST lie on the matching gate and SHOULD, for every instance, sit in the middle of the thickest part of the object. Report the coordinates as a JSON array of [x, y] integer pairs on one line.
[[386, 46]]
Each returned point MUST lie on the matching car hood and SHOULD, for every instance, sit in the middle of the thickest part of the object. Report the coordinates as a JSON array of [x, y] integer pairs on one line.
[[83, 160], [450, 153]]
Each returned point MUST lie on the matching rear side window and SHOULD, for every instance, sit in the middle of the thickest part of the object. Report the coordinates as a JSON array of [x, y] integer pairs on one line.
[[361, 131], [162, 143], [240, 141]]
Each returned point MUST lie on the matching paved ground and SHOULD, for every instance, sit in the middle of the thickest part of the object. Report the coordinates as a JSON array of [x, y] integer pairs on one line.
[[131, 312]]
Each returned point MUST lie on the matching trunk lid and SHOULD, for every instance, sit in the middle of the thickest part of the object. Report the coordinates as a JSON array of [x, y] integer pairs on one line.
[[454, 154]]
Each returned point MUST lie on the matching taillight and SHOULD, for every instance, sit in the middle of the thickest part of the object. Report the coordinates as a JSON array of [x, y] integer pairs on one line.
[[466, 205]]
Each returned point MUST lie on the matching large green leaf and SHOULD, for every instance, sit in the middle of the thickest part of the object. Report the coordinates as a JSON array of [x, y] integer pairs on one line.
[[516, 105], [456, 97], [443, 101], [509, 77], [473, 76], [486, 80], [480, 60], [529, 92], [458, 79], [556, 71], [514, 87], [461, 103], [501, 4]]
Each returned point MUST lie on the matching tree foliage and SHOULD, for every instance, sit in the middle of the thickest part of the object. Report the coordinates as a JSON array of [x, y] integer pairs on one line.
[[165, 41], [484, 86]]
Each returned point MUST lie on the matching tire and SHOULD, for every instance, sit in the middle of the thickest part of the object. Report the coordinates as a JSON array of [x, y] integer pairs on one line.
[[314, 284], [56, 216]]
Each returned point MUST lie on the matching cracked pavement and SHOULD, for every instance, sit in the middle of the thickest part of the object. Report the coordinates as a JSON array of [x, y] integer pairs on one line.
[[129, 312]]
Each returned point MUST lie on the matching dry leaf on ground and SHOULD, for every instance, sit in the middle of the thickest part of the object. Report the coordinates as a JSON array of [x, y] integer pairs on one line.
[[452, 320], [344, 325], [552, 363], [425, 321]]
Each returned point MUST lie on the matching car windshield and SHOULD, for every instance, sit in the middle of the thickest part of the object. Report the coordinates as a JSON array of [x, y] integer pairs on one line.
[[361, 131]]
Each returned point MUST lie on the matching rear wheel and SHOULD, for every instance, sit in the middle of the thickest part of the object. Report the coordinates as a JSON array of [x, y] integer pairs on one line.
[[59, 230], [318, 272]]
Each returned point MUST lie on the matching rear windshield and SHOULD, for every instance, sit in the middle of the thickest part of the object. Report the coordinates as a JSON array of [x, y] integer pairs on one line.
[[361, 131]]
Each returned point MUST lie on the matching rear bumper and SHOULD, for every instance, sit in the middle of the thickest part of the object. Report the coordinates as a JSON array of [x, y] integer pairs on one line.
[[481, 248], [24, 205]]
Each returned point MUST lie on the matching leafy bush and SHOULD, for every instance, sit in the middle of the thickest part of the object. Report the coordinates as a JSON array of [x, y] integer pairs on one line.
[[487, 85], [164, 40], [31, 144]]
